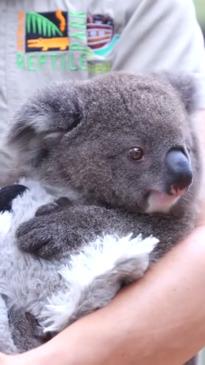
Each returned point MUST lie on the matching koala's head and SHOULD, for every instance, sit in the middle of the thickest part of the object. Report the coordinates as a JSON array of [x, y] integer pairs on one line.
[[120, 140]]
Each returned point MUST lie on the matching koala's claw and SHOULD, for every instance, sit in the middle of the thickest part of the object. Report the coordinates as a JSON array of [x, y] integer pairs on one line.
[[47, 209], [53, 207]]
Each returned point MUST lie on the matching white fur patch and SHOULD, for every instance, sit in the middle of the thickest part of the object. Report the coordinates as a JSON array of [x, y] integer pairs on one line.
[[24, 206], [161, 202], [95, 275], [5, 223]]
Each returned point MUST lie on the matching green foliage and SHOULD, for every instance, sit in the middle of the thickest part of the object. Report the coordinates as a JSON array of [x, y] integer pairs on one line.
[[39, 24], [200, 10]]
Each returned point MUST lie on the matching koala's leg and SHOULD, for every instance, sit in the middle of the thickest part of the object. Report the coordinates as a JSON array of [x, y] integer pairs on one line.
[[6, 341], [26, 332]]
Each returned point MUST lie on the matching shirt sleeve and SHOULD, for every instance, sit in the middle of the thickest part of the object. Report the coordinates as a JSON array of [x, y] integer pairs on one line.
[[162, 36]]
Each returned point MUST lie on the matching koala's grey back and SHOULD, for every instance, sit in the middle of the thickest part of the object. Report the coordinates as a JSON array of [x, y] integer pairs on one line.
[[79, 139]]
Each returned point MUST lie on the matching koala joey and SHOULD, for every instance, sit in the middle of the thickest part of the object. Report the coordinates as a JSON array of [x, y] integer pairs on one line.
[[114, 158]]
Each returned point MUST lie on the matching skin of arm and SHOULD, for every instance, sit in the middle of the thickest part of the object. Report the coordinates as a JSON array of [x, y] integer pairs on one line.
[[158, 320]]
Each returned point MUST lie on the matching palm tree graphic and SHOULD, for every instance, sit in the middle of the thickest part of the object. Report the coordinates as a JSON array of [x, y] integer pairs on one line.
[[39, 24]]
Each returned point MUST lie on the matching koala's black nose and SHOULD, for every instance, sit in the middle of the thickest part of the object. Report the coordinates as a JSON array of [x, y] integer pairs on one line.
[[178, 170]]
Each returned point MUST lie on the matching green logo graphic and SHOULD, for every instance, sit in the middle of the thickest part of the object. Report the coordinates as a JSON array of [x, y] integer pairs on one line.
[[39, 24]]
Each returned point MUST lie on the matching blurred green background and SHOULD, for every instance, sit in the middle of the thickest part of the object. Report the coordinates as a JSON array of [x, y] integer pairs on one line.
[[200, 10]]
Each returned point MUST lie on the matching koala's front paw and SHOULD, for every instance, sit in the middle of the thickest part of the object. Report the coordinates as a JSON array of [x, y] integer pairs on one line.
[[45, 236]]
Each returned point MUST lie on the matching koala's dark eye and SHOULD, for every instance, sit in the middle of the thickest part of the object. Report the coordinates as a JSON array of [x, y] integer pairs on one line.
[[136, 153]]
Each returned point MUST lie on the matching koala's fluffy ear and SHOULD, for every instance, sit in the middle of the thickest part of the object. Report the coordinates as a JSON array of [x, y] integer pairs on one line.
[[187, 89], [53, 111]]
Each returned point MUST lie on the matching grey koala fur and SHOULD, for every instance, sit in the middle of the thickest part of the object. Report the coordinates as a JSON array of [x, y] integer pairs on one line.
[[75, 138]]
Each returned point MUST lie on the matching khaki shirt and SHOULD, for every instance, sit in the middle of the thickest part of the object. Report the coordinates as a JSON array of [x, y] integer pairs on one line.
[[54, 40]]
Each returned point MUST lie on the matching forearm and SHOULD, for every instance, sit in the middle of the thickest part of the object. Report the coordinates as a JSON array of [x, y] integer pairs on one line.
[[160, 320]]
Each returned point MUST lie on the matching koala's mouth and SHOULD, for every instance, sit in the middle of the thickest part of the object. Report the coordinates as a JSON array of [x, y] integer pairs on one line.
[[158, 201]]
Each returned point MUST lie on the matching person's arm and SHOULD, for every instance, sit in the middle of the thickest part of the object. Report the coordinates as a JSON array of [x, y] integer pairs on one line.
[[159, 35], [159, 320]]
